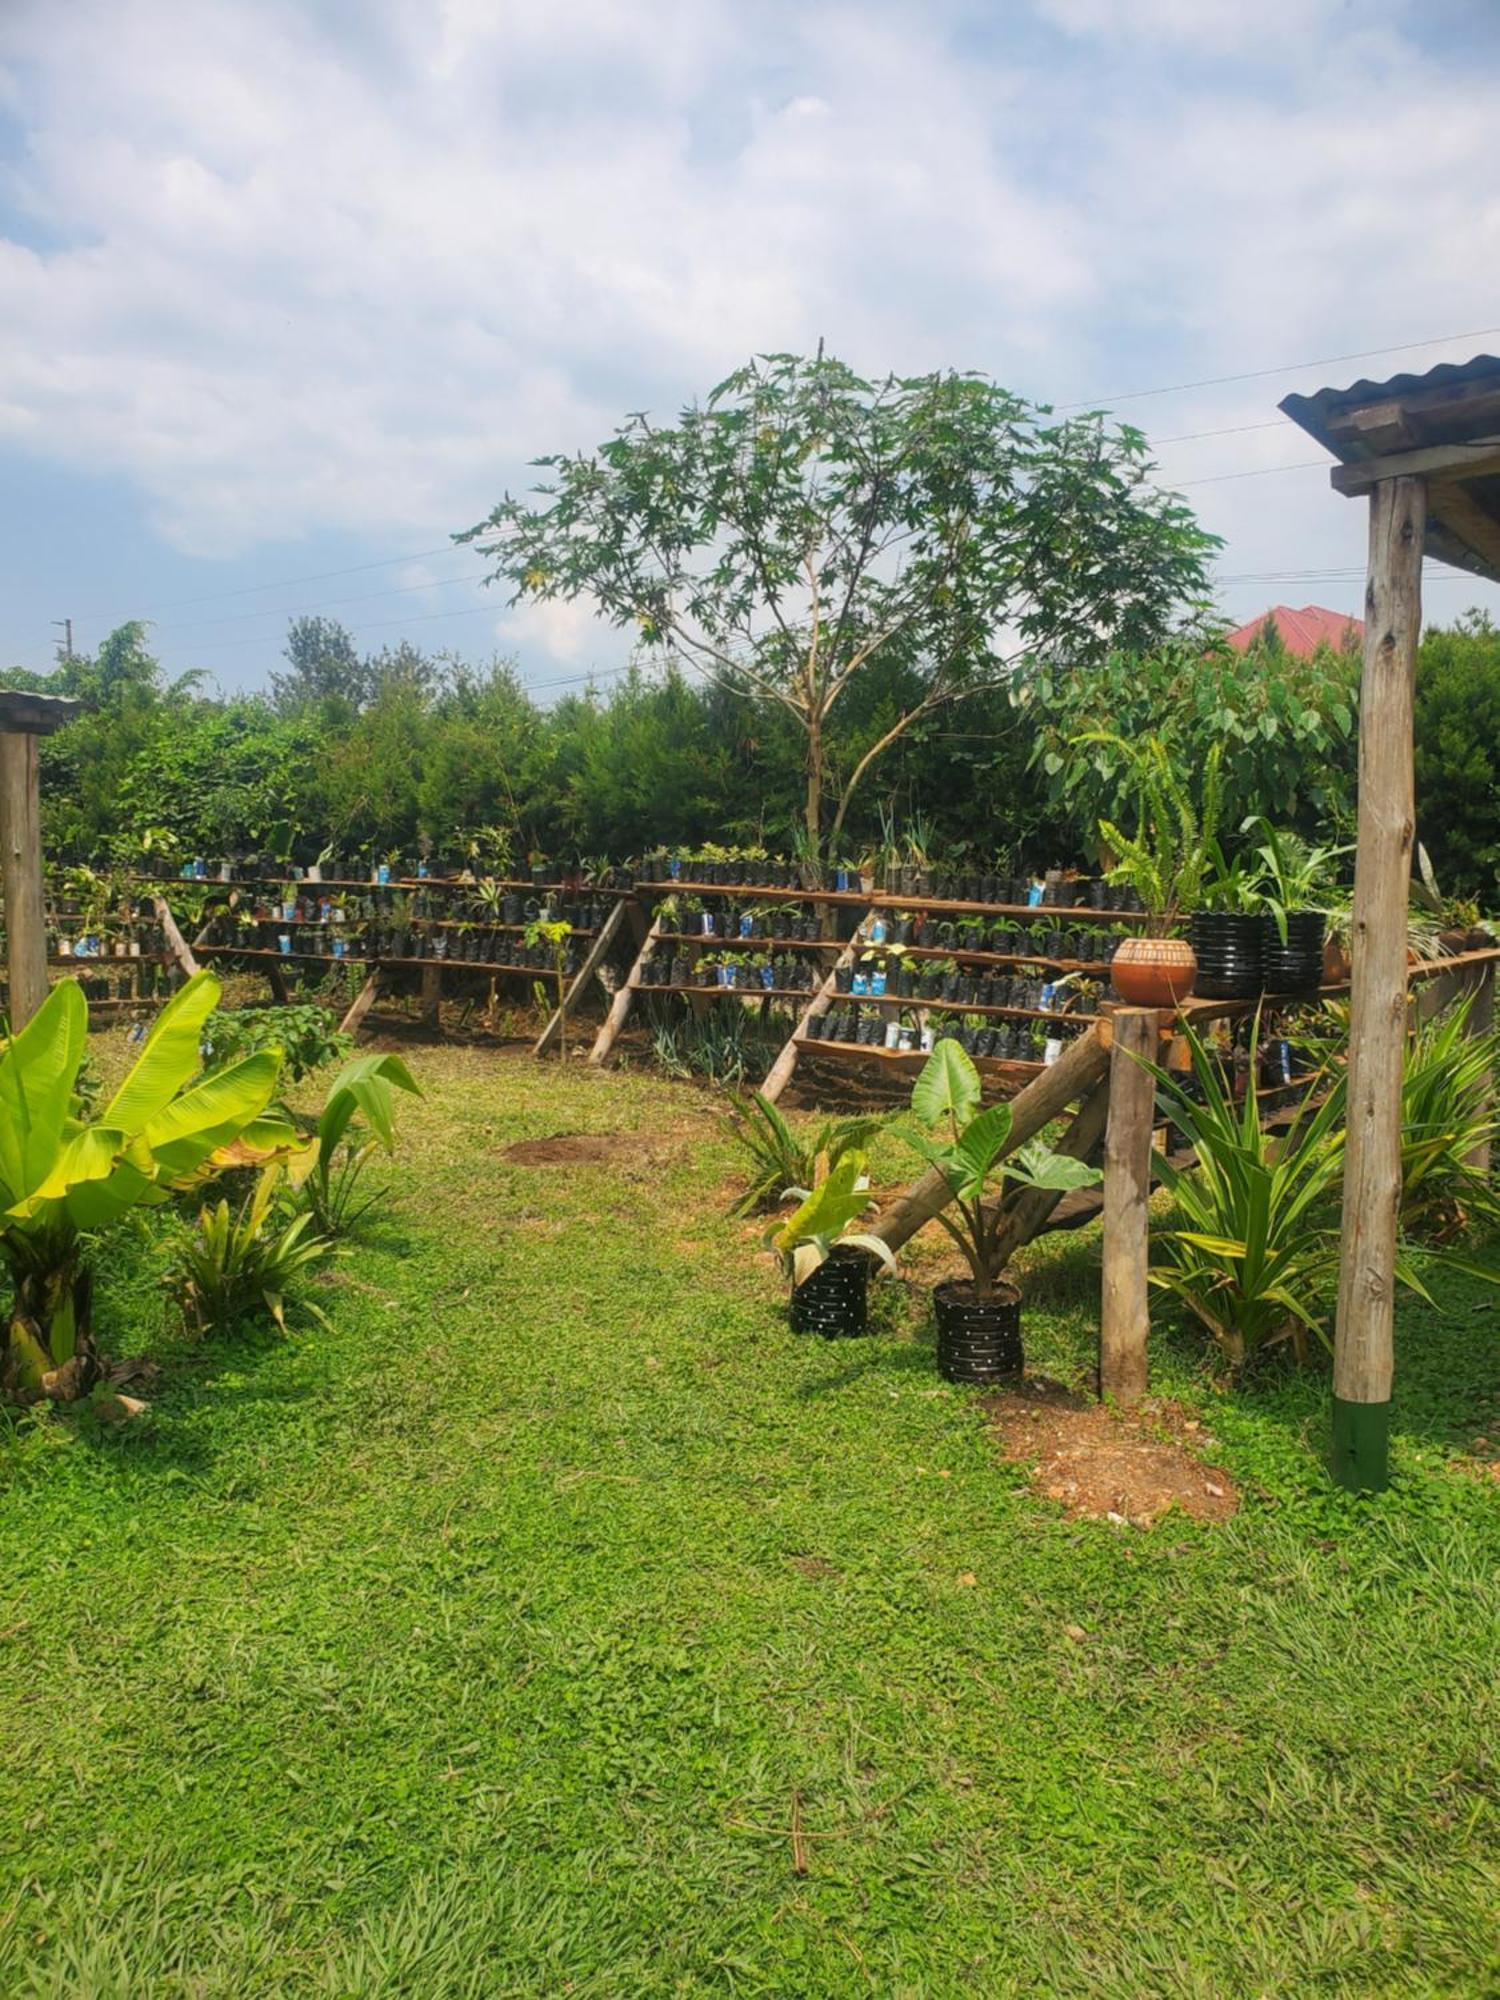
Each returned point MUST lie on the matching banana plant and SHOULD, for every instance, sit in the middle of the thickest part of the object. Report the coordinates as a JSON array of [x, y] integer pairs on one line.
[[947, 1095], [808, 1237], [63, 1180], [328, 1168]]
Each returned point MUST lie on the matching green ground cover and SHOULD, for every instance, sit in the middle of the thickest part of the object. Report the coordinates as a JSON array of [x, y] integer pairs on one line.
[[493, 1641]]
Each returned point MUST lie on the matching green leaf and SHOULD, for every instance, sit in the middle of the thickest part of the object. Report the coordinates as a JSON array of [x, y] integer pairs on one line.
[[948, 1086]]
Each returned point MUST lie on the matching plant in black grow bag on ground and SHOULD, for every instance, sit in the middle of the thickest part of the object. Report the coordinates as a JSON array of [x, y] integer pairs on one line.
[[827, 1261], [978, 1318]]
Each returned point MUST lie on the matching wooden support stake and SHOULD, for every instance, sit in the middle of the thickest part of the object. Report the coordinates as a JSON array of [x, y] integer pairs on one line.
[[1124, 1313], [176, 944], [362, 1002], [604, 1041], [779, 1075], [1046, 1097], [21, 865], [432, 995], [1363, 1342], [598, 952], [1481, 1021]]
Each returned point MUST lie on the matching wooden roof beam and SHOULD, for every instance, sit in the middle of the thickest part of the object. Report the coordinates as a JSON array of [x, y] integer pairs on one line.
[[1439, 461]]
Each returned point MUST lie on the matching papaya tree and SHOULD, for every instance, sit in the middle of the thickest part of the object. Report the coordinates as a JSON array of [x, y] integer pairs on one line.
[[802, 522]]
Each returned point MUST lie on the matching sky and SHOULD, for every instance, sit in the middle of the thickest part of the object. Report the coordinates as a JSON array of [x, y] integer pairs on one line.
[[292, 290]]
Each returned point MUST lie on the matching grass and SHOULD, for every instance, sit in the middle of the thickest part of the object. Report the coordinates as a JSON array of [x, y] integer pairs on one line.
[[496, 1641]]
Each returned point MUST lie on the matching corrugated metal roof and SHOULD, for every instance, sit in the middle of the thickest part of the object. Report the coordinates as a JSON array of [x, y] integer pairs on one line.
[[1453, 403], [1315, 412]]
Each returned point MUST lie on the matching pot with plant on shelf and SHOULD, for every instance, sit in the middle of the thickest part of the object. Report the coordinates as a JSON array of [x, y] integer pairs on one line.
[[1297, 882], [979, 1317], [827, 1261], [1162, 865]]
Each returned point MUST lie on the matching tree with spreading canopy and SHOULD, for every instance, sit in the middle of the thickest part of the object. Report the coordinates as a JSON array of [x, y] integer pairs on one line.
[[803, 522]]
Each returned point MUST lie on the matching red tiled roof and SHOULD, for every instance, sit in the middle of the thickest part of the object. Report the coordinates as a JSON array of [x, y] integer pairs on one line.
[[1302, 632]]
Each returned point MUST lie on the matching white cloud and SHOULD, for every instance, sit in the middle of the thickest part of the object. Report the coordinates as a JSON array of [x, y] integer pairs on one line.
[[289, 270]]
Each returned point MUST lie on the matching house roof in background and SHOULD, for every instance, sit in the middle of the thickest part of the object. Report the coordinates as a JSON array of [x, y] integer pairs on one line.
[[1302, 632]]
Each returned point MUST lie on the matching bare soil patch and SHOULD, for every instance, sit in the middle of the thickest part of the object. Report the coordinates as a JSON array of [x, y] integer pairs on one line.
[[1106, 1464], [570, 1149]]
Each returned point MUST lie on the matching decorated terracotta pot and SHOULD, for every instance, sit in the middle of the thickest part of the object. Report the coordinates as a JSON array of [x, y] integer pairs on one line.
[[1154, 972]]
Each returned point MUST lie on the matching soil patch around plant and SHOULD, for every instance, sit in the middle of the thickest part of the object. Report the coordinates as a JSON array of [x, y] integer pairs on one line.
[[1110, 1465], [566, 1149]]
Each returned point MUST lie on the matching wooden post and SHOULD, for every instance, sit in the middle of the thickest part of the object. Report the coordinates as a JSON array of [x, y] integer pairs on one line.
[[25, 894], [1480, 1022], [432, 995], [604, 1041], [1124, 1314], [779, 1075], [1363, 1340], [1046, 1097], [598, 952]]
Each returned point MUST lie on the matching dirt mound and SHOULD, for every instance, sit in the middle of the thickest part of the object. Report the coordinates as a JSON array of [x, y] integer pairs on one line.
[[1110, 1465], [567, 1149]]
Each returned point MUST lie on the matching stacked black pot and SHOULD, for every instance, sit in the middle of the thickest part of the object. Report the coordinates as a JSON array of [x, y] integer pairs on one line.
[[834, 1301], [1295, 966], [978, 1340], [1230, 950]]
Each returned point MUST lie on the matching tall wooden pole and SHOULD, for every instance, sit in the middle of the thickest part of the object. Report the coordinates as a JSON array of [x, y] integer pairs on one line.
[[21, 865], [1363, 1342], [1125, 1317]]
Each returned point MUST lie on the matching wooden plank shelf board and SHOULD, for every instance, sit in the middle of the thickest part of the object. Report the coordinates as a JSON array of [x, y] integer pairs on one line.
[[1003, 1068], [757, 892], [730, 992], [402, 885]]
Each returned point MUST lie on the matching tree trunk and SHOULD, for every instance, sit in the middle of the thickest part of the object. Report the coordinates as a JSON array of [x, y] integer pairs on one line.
[[50, 1348], [814, 806]]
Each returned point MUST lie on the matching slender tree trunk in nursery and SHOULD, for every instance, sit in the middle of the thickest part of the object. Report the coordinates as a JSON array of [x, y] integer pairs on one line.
[[1363, 1359], [1124, 1315]]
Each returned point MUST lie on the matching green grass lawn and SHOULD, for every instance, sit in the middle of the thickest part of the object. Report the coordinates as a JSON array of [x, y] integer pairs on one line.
[[492, 1642]]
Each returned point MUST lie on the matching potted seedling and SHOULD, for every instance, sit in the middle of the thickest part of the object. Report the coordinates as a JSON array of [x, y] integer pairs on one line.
[[1227, 930], [1292, 927], [826, 1260], [978, 1318]]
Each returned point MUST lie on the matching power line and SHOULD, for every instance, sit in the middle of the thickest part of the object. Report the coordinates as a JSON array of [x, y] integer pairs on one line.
[[1285, 368]]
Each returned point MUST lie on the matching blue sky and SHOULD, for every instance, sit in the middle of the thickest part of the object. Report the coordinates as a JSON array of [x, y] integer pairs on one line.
[[289, 292]]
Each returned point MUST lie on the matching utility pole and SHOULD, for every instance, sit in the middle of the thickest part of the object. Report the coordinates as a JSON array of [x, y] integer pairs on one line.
[[65, 650]]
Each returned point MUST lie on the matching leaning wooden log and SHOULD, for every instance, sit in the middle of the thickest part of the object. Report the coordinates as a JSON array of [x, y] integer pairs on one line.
[[1029, 1212], [598, 952], [362, 1002], [780, 1073], [604, 1041], [176, 943], [1046, 1097]]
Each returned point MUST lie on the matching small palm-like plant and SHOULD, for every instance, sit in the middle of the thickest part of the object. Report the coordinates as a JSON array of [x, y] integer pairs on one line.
[[1168, 857], [778, 1158], [240, 1259]]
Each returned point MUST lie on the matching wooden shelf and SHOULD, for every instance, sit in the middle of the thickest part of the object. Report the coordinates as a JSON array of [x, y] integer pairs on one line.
[[757, 892], [1004, 1068], [956, 1007], [802, 993]]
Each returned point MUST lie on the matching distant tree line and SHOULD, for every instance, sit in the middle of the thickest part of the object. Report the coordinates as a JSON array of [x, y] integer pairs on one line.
[[399, 748]]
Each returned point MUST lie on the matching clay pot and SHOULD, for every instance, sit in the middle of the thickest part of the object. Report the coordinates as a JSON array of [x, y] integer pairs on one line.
[[1154, 972]]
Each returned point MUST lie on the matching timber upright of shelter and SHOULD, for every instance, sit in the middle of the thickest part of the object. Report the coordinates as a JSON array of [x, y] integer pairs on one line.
[[23, 719], [1425, 449]]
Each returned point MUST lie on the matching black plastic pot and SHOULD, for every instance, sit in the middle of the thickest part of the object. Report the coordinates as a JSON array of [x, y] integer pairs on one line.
[[1230, 950], [1297, 965], [978, 1340], [834, 1301]]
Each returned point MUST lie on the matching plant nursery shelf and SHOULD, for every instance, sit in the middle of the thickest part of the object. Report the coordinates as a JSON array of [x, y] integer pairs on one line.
[[751, 943], [398, 885], [1002, 1068], [760, 893], [802, 993], [1057, 914], [929, 1004]]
